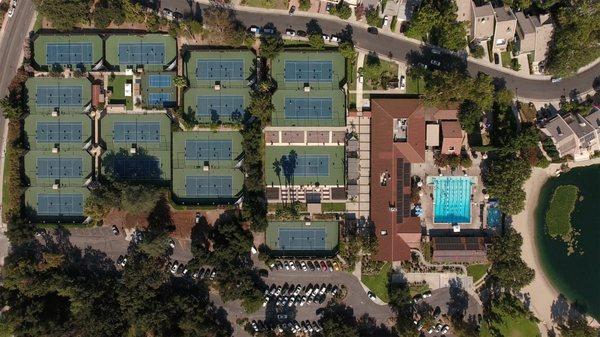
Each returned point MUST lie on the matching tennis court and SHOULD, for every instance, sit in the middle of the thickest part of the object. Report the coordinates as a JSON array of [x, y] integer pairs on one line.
[[308, 71], [302, 239], [308, 108], [56, 96], [306, 165], [52, 132], [159, 98], [60, 204], [223, 106], [159, 81], [59, 167], [208, 186], [136, 132], [141, 53], [208, 149], [220, 70], [69, 53]]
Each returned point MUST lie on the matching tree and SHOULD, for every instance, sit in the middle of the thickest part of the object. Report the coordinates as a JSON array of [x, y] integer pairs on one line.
[[223, 25], [339, 321], [435, 22], [64, 14], [347, 50], [316, 41], [304, 5], [133, 12], [138, 199], [469, 116], [401, 302], [477, 51], [10, 110], [341, 10], [270, 46], [508, 271], [576, 39], [372, 15], [180, 81], [107, 11], [577, 327], [504, 181]]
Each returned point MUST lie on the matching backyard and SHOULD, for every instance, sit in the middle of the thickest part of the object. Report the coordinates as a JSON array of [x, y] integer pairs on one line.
[[379, 283], [378, 73], [117, 85]]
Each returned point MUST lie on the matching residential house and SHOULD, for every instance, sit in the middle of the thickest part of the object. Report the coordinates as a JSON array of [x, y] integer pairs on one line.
[[575, 135], [504, 28], [461, 249], [534, 35], [482, 24]]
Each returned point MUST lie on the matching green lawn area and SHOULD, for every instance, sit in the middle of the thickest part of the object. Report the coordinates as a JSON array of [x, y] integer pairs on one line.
[[558, 216], [415, 85], [505, 57], [476, 271], [117, 85], [379, 283], [333, 207], [375, 69], [276, 4], [512, 326], [418, 289]]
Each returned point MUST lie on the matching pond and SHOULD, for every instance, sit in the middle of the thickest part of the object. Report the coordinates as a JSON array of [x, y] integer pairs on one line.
[[572, 264]]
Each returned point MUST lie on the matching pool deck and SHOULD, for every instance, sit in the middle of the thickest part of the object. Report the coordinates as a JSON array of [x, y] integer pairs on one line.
[[428, 169]]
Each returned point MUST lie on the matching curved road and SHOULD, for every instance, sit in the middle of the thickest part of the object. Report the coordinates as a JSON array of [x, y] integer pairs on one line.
[[532, 89]]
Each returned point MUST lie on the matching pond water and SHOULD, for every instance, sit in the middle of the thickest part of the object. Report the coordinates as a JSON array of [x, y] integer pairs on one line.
[[576, 274]]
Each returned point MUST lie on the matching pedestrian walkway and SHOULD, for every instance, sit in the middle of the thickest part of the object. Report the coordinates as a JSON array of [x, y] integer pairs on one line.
[[360, 204], [359, 85]]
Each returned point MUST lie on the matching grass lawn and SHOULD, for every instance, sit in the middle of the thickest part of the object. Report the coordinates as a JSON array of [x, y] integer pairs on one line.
[[418, 289], [512, 326], [505, 57], [276, 4], [374, 69], [476, 271], [117, 85], [333, 207], [558, 216], [379, 283], [415, 85]]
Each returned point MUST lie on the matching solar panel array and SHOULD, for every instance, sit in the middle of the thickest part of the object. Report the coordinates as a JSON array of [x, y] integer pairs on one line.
[[60, 204], [141, 53], [159, 81], [220, 70], [308, 108], [159, 98], [457, 243], [69, 53], [59, 167], [58, 132], [301, 239], [57, 95], [308, 71], [222, 106], [136, 132], [403, 200], [208, 186], [208, 150]]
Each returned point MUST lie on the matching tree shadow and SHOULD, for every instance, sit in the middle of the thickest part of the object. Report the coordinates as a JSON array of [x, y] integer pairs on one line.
[[313, 27], [459, 300], [346, 33], [160, 219], [368, 327], [124, 165], [562, 311], [288, 164]]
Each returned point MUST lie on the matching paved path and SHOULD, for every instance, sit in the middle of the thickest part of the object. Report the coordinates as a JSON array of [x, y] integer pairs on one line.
[[530, 87]]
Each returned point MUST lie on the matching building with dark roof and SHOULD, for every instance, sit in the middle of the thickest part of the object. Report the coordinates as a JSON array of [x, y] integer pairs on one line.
[[461, 249]]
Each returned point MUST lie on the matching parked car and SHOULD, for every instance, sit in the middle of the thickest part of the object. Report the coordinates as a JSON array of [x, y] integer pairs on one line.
[[427, 294], [445, 329], [282, 316], [268, 31], [172, 243], [292, 10], [556, 79], [336, 266], [310, 265], [303, 265], [372, 30], [435, 51], [198, 218], [329, 266], [326, 38], [386, 20], [290, 32], [371, 296], [436, 63], [174, 267], [254, 326], [167, 13], [115, 230], [334, 39], [11, 12], [323, 266], [254, 29], [177, 16], [402, 82], [301, 33], [329, 6]]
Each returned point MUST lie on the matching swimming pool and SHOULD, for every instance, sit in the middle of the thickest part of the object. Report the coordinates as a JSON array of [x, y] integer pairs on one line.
[[452, 199], [493, 216]]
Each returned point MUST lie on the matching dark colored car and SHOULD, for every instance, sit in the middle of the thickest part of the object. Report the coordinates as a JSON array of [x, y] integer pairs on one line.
[[311, 266], [292, 10], [372, 30], [115, 230], [323, 266], [301, 33]]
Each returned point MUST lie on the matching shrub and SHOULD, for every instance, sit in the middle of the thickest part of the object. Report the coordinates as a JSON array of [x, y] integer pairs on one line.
[[342, 10], [373, 18], [394, 23], [304, 5], [359, 11], [477, 51]]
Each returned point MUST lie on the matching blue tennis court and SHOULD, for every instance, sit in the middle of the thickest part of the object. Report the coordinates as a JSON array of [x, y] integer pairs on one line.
[[137, 168], [208, 149], [69, 53], [132, 132], [141, 53], [316, 165], [308, 108], [220, 70], [208, 186], [223, 106], [60, 204], [59, 167], [159, 81], [159, 98], [302, 239], [57, 96], [53, 132], [308, 71]]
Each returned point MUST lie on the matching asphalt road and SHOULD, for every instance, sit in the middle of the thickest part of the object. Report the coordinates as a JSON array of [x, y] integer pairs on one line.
[[532, 89]]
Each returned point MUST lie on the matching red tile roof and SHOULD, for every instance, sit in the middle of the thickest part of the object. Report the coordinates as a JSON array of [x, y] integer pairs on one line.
[[452, 137], [388, 159]]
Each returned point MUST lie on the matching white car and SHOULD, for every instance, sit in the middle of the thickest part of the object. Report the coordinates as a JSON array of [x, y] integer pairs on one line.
[[326, 38], [254, 29], [11, 12], [371, 296], [427, 294], [293, 265], [361, 79], [266, 301], [334, 39], [290, 32], [124, 262], [386, 20], [174, 267], [445, 329], [556, 79], [286, 265], [402, 82]]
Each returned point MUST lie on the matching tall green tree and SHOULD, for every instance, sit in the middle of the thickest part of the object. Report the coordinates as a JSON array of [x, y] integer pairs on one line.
[[64, 14], [504, 181], [435, 22], [508, 271], [270, 46]]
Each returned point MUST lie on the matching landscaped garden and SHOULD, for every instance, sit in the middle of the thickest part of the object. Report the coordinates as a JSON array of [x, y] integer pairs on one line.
[[476, 271], [116, 84], [378, 283], [415, 85], [558, 217], [378, 73]]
